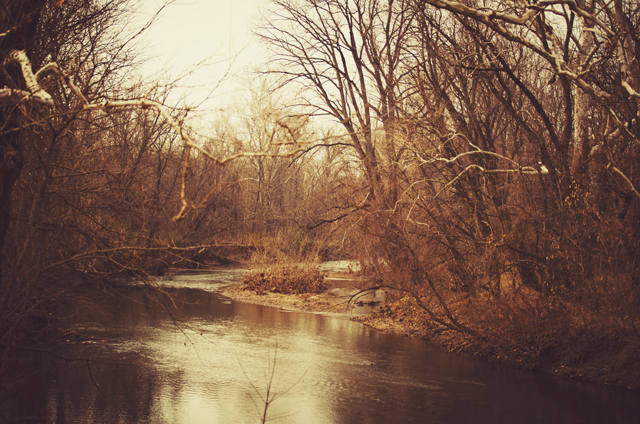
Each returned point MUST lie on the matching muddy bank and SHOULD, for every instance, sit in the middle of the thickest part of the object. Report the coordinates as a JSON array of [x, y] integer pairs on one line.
[[591, 357], [330, 301], [306, 290], [603, 367]]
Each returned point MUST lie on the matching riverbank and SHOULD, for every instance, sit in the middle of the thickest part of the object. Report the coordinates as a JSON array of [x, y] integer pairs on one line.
[[307, 290], [584, 355], [318, 303], [590, 356]]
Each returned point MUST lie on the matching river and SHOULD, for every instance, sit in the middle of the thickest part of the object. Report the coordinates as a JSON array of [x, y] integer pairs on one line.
[[211, 362]]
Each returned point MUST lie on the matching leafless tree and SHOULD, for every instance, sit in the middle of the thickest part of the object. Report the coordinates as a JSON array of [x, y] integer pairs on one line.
[[349, 56], [93, 163]]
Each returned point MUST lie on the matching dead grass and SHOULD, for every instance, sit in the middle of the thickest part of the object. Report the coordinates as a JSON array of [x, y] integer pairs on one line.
[[286, 280]]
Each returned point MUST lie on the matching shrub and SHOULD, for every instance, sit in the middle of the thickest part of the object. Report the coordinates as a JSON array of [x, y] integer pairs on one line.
[[286, 280]]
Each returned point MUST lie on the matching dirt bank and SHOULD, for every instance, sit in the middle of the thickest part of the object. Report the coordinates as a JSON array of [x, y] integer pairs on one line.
[[306, 290], [608, 366], [590, 357], [325, 302]]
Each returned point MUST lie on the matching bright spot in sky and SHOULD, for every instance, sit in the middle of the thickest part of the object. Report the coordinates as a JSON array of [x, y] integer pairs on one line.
[[207, 42]]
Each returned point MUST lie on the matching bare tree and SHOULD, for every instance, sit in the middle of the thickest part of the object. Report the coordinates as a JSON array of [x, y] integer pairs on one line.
[[494, 138], [349, 56], [92, 162]]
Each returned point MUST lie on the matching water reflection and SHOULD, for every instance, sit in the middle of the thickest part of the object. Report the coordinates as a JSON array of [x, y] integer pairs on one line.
[[208, 361]]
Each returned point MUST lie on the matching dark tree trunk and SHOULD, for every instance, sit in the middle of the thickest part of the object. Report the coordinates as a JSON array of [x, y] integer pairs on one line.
[[10, 167], [19, 21]]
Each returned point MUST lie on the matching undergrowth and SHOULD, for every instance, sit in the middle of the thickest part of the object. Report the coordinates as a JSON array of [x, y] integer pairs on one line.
[[530, 331], [286, 280]]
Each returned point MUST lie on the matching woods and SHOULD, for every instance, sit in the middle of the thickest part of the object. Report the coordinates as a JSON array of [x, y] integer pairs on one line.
[[97, 166], [498, 147], [479, 158]]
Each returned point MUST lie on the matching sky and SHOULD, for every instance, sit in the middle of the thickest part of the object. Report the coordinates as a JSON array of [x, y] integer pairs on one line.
[[210, 41]]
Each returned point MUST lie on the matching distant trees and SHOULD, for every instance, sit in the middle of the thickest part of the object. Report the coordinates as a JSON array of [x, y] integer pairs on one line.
[[350, 56]]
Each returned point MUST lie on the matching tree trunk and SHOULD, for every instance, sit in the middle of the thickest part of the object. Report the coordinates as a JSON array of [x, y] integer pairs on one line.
[[10, 166], [19, 24]]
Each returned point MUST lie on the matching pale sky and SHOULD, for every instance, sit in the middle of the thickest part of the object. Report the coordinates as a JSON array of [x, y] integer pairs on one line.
[[214, 33]]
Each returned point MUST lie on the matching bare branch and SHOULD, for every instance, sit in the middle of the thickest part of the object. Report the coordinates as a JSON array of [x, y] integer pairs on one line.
[[35, 92]]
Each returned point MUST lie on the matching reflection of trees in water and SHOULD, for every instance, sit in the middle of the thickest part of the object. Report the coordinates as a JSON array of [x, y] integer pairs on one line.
[[123, 393], [350, 374]]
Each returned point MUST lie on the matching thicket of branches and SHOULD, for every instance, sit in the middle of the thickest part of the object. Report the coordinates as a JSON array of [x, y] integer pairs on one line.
[[498, 143], [101, 176]]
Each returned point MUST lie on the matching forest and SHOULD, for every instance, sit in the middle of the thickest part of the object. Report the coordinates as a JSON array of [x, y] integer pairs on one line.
[[480, 159]]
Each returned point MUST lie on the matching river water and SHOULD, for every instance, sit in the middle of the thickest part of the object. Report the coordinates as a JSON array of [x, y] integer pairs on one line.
[[211, 360]]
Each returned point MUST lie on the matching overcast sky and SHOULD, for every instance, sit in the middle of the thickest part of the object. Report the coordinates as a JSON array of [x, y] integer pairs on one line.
[[216, 33]]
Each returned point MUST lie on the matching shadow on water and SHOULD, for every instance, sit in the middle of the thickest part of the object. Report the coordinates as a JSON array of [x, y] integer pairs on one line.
[[193, 365]]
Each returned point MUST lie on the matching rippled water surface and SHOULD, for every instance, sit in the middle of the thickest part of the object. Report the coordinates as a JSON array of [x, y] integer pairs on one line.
[[211, 362]]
